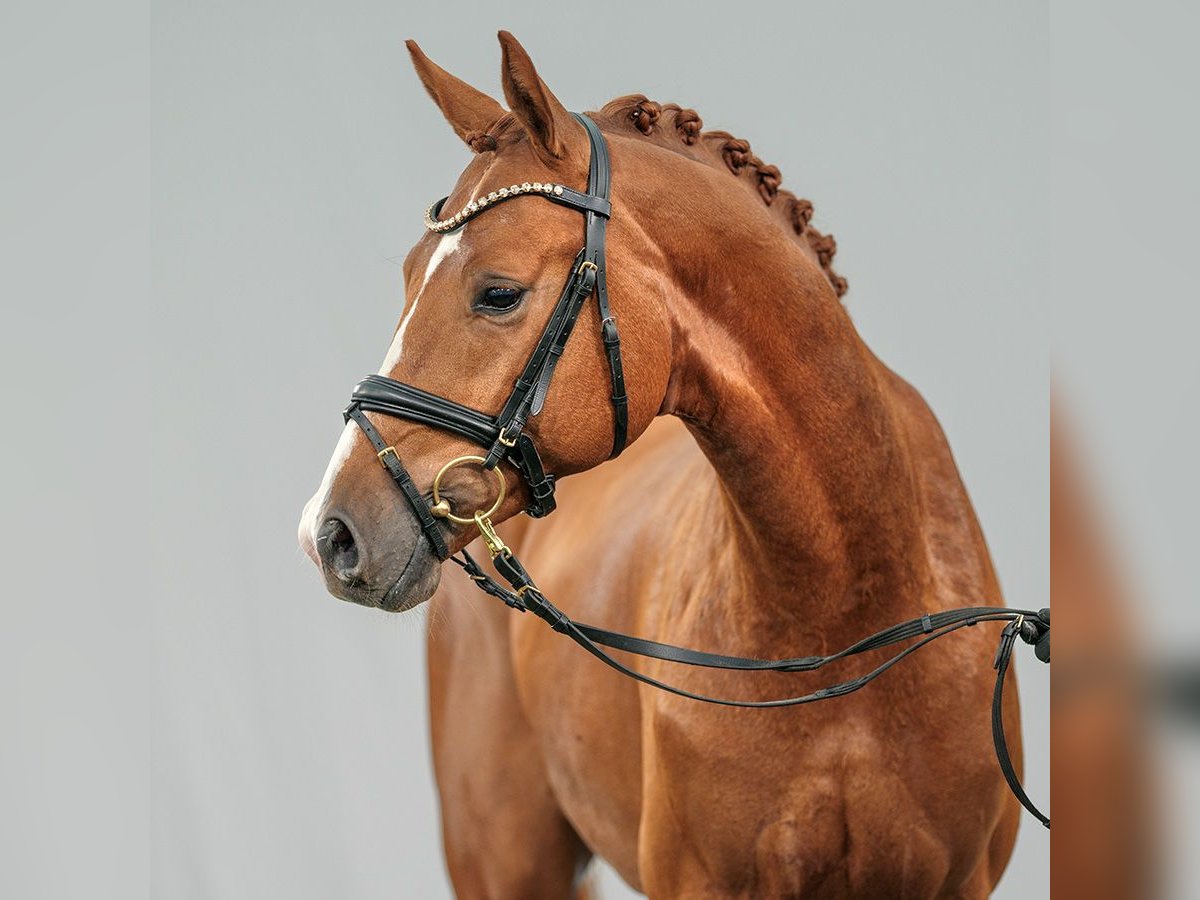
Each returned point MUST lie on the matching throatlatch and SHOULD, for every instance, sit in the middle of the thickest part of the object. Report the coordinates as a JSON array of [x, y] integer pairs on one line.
[[503, 439]]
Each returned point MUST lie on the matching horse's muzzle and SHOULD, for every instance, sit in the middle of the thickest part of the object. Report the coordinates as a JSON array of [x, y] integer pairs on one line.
[[381, 563]]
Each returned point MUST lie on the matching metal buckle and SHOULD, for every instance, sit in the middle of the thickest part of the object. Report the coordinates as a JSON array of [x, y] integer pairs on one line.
[[585, 265], [504, 439], [384, 452]]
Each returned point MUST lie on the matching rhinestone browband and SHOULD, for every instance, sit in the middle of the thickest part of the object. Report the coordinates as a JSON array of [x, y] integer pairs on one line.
[[475, 206]]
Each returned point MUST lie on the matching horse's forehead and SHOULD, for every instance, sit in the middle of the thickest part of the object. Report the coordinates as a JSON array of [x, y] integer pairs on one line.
[[439, 250], [479, 173], [513, 164], [427, 256]]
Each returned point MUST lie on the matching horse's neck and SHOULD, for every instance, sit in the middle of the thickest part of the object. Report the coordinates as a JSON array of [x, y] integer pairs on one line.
[[797, 418]]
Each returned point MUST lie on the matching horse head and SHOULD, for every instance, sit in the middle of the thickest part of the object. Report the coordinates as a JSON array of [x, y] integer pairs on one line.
[[478, 298]]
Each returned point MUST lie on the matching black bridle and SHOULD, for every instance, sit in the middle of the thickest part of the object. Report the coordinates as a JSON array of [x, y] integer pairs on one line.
[[503, 436], [504, 439]]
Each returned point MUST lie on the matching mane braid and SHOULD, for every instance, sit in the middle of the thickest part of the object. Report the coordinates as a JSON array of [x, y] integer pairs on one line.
[[680, 129]]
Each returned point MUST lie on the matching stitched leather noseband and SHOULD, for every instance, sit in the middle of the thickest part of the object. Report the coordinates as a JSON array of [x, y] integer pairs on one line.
[[504, 439]]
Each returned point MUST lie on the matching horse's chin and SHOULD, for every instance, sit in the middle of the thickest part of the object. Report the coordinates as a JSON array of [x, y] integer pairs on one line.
[[414, 586]]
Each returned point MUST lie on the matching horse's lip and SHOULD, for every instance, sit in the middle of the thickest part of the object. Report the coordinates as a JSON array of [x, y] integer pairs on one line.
[[409, 576]]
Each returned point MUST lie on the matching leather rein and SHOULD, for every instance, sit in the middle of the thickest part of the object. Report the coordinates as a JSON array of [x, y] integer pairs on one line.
[[503, 438]]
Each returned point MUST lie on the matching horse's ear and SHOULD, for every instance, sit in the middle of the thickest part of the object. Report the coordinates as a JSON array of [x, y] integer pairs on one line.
[[552, 130], [470, 112]]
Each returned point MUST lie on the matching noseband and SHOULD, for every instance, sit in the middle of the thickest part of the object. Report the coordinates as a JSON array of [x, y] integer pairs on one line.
[[503, 436], [504, 439]]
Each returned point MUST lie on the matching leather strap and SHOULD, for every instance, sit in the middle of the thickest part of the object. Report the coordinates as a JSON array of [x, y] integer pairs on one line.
[[582, 284], [588, 202], [587, 276], [376, 393], [391, 462], [593, 202], [539, 368], [540, 483], [596, 229], [1008, 638], [1032, 627]]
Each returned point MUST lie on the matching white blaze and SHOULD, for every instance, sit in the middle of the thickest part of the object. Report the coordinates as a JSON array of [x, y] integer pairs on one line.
[[309, 518], [447, 245]]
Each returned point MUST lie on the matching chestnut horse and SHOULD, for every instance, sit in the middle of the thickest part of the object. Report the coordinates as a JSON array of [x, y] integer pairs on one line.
[[784, 493]]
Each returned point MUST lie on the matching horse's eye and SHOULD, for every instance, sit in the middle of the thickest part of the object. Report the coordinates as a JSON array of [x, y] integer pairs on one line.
[[498, 299]]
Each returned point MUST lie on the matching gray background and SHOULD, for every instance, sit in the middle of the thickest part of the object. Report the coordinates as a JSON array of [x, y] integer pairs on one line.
[[1124, 144], [292, 152]]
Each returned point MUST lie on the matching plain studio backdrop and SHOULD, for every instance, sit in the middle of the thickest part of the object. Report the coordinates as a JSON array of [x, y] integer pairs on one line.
[[293, 153]]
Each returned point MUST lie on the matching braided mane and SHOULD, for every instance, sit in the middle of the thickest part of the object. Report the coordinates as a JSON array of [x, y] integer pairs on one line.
[[679, 129]]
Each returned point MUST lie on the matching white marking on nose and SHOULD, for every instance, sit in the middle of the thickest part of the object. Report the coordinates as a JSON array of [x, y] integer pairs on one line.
[[446, 245], [309, 518]]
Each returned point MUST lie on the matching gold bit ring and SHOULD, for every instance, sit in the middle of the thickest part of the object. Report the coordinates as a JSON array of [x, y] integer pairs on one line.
[[441, 506]]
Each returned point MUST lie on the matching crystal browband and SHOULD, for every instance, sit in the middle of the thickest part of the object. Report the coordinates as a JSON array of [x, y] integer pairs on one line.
[[437, 225]]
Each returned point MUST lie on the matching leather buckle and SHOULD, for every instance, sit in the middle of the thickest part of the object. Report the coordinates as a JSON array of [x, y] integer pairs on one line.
[[586, 276], [608, 332]]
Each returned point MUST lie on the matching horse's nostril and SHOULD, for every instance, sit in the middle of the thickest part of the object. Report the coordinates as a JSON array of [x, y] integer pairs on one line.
[[338, 550]]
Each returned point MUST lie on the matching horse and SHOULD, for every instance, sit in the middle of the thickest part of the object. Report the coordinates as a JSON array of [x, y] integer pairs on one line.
[[781, 490]]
